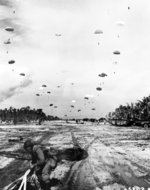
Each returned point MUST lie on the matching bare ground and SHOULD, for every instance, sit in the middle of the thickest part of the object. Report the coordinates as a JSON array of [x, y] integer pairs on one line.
[[119, 157]]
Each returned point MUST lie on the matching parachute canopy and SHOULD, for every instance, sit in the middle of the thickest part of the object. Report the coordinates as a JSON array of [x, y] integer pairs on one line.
[[115, 62], [44, 85], [51, 105], [7, 42], [120, 23], [37, 94], [48, 92], [11, 61], [72, 106], [93, 109], [79, 110], [99, 88], [58, 35], [86, 98], [98, 32], [102, 75], [116, 52], [22, 74], [9, 29]]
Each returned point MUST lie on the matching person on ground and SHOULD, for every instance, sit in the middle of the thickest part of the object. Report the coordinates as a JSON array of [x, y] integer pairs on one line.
[[42, 163]]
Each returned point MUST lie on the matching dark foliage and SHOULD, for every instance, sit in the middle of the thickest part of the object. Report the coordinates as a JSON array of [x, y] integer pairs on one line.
[[134, 111], [24, 115]]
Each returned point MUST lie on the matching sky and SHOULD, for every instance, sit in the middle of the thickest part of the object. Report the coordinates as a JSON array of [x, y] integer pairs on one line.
[[55, 43]]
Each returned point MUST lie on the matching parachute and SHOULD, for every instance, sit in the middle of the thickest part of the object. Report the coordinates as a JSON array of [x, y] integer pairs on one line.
[[11, 62], [7, 42], [99, 88], [72, 106], [115, 62], [86, 98], [98, 32], [93, 109], [37, 94], [51, 105], [79, 110], [58, 35], [48, 92], [22, 74], [116, 52], [9, 29], [102, 75], [120, 23], [44, 85]]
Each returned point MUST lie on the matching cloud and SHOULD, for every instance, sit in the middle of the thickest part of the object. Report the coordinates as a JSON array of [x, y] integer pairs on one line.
[[25, 83], [14, 90], [5, 3]]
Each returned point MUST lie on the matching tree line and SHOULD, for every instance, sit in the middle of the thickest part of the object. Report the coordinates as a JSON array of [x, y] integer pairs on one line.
[[24, 115], [134, 111]]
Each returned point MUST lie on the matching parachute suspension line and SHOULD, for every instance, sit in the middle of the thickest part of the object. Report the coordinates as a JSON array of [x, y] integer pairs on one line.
[[24, 181]]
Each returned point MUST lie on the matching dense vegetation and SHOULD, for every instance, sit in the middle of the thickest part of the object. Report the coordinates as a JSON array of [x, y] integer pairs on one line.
[[134, 111], [23, 115]]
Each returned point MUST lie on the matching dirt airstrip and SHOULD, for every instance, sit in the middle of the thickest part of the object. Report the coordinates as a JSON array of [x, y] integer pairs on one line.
[[118, 157]]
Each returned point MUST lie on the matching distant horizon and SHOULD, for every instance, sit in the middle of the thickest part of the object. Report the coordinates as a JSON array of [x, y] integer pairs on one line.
[[60, 117]]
